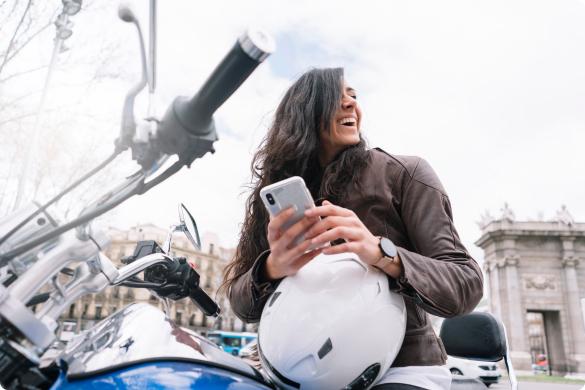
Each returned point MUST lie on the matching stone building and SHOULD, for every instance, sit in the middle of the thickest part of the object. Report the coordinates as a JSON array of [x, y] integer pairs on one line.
[[535, 274], [210, 263]]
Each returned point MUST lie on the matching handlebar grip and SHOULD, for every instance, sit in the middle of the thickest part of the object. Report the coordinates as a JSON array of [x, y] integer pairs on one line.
[[246, 54], [187, 128], [204, 302]]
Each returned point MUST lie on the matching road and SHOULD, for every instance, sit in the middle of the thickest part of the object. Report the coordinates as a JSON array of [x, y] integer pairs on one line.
[[505, 385]]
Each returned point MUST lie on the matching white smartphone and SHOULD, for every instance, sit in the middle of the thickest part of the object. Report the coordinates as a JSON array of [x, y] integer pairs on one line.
[[291, 192]]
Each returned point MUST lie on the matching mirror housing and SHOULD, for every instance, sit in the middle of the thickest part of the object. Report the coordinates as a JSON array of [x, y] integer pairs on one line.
[[189, 226]]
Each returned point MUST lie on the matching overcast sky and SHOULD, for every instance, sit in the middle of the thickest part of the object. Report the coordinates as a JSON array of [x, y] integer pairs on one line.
[[491, 93]]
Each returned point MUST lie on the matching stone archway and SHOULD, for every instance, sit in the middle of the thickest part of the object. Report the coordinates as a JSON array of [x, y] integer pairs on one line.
[[538, 267]]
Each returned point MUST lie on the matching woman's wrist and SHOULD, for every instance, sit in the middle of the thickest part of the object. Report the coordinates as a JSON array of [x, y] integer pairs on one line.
[[390, 266], [268, 272]]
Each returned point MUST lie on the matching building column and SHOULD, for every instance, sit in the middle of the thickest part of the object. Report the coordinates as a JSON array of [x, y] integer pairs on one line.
[[517, 337], [490, 268], [494, 284], [576, 353]]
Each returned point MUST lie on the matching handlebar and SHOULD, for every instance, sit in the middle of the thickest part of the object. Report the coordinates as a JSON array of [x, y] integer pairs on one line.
[[189, 121], [188, 130], [204, 302], [174, 280], [246, 54]]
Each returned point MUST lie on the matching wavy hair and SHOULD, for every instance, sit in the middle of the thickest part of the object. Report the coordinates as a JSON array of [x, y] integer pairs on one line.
[[291, 148]]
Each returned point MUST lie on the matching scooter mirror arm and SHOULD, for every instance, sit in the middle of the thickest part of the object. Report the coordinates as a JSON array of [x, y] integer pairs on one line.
[[140, 265], [131, 187], [70, 248], [134, 185], [87, 280]]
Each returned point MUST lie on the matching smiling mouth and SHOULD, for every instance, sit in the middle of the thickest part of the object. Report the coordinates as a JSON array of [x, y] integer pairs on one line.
[[349, 122]]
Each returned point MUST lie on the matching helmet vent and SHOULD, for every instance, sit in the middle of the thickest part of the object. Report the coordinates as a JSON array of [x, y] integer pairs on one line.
[[273, 299], [379, 288], [365, 379], [325, 349]]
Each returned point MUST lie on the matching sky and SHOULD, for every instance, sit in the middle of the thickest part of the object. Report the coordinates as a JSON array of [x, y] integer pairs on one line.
[[491, 94]]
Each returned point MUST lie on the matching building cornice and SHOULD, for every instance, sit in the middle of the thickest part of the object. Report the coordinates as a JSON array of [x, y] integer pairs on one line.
[[505, 229]]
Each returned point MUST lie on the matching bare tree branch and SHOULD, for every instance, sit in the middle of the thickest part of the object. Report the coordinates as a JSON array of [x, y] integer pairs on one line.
[[15, 51], [26, 115], [9, 14], [7, 53], [18, 74]]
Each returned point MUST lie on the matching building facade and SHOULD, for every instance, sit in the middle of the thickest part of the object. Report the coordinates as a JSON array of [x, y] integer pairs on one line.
[[209, 263], [535, 274]]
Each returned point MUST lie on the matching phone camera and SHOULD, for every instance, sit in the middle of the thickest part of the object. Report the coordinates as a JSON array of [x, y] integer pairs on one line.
[[270, 199]]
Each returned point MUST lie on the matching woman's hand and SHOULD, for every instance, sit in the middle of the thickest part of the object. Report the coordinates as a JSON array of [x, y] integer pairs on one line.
[[339, 222], [286, 258]]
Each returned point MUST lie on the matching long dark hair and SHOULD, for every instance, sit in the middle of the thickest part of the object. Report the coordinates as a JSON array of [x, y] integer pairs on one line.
[[291, 148]]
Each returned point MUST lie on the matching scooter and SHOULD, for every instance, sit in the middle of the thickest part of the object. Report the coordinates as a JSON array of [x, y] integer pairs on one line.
[[48, 266], [139, 346]]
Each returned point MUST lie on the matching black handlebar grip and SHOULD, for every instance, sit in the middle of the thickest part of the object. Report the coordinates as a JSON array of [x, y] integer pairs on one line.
[[204, 302], [248, 52], [194, 116]]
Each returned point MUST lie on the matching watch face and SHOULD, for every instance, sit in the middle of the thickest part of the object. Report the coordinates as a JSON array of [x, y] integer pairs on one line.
[[388, 247]]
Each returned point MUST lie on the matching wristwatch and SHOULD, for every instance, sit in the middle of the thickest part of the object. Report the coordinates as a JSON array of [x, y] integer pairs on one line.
[[389, 253]]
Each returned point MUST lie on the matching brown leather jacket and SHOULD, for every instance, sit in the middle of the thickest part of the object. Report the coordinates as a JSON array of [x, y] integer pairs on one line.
[[400, 197]]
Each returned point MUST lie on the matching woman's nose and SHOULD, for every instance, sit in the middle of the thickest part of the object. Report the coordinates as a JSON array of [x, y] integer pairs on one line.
[[347, 102]]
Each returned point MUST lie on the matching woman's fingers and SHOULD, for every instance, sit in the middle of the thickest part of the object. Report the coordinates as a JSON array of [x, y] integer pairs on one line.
[[288, 261], [289, 235], [276, 223], [354, 247], [328, 210], [331, 222], [304, 259], [347, 233]]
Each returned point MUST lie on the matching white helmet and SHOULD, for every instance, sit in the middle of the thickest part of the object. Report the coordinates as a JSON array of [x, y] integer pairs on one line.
[[333, 325]]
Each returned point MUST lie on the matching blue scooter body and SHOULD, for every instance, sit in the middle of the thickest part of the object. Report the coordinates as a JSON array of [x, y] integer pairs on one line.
[[140, 348]]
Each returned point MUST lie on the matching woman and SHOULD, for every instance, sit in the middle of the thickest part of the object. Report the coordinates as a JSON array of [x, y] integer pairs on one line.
[[372, 198]]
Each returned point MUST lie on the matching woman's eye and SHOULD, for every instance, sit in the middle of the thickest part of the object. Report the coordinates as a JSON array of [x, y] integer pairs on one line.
[[354, 97]]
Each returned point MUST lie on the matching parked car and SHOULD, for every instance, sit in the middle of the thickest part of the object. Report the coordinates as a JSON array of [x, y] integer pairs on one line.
[[249, 349], [487, 372], [541, 365], [231, 342]]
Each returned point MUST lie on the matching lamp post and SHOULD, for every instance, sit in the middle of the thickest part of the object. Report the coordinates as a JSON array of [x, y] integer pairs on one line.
[[63, 31]]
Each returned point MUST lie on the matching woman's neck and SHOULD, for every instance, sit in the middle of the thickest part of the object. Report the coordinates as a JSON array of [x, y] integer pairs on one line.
[[326, 156]]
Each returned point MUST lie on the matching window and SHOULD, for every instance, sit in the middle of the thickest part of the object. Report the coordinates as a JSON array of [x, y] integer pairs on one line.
[[232, 341], [72, 311], [179, 317], [192, 320], [84, 312], [116, 293], [98, 312]]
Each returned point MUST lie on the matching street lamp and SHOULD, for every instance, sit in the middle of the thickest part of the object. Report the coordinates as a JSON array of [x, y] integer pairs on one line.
[[71, 7], [64, 31], [64, 26]]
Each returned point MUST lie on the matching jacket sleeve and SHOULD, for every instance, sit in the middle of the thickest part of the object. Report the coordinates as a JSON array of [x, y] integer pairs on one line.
[[439, 275], [249, 292]]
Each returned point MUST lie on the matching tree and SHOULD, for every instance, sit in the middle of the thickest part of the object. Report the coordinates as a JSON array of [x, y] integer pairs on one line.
[[68, 148]]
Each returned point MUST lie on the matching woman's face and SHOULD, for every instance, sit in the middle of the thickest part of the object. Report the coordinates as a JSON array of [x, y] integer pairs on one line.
[[345, 126]]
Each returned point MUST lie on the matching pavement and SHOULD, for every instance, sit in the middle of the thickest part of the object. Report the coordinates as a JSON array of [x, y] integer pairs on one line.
[[505, 385]]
